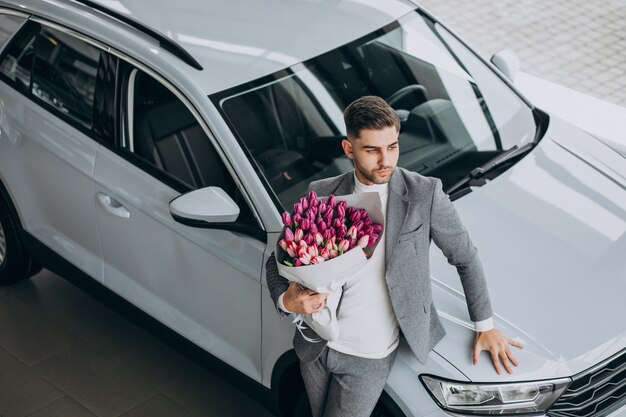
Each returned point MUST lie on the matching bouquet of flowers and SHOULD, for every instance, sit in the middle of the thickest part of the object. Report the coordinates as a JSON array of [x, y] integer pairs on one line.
[[324, 243]]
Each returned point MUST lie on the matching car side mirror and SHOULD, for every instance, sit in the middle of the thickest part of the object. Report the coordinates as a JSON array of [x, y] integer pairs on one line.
[[205, 205], [507, 62]]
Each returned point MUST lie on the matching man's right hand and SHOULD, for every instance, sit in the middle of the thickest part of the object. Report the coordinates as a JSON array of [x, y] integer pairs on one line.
[[302, 301]]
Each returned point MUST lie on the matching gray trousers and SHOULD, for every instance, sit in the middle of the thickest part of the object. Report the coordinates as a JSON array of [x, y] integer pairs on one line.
[[341, 385]]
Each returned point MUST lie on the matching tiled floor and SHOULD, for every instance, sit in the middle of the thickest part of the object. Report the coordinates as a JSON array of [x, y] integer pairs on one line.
[[576, 43], [65, 354]]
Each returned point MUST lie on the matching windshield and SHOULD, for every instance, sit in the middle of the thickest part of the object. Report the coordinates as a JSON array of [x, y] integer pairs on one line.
[[455, 113]]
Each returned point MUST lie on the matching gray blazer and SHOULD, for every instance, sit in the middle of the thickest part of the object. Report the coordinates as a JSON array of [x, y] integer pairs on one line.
[[417, 211]]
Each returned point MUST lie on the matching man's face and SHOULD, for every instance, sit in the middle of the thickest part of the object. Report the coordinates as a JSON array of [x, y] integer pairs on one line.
[[375, 154]]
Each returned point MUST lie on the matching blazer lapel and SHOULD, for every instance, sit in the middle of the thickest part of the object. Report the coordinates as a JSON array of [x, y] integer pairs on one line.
[[346, 184], [397, 211]]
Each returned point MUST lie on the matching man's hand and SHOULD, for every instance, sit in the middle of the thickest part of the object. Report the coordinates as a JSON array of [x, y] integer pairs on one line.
[[302, 301], [498, 345]]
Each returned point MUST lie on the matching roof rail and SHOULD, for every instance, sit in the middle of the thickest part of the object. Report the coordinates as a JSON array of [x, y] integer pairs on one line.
[[165, 42]]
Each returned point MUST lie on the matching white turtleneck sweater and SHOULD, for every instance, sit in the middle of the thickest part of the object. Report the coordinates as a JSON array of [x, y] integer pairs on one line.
[[369, 328]]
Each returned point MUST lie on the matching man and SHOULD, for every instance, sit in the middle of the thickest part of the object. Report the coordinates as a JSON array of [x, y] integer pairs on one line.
[[345, 377]]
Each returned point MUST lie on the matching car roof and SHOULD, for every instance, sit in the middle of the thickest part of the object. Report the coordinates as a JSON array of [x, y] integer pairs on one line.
[[239, 41]]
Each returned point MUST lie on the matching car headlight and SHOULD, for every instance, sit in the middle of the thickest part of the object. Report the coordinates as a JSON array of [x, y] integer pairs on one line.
[[488, 399]]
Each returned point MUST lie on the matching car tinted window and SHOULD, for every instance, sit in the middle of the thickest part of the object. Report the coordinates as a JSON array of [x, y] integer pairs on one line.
[[64, 74], [18, 60], [455, 113], [167, 135], [8, 26]]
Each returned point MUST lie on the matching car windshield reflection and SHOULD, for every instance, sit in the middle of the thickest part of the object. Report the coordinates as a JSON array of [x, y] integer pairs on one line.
[[456, 114]]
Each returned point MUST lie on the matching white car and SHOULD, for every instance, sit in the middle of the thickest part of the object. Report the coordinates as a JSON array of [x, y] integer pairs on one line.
[[152, 145]]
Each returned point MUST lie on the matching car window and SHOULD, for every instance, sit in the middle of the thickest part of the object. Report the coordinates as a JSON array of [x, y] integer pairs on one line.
[[64, 74], [164, 133], [8, 26], [18, 59], [455, 113]]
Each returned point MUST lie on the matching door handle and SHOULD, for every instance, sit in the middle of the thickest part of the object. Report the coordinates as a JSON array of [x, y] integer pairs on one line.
[[113, 206]]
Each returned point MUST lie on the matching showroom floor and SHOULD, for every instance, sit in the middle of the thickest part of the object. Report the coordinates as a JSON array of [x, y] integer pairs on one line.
[[64, 353]]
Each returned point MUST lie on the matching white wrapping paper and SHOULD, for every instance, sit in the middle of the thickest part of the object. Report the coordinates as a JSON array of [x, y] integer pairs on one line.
[[331, 275]]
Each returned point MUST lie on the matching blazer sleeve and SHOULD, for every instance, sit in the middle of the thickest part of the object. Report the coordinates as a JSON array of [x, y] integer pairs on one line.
[[275, 283], [452, 238]]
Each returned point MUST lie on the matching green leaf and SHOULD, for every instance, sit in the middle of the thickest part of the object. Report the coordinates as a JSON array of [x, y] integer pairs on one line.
[[287, 263]]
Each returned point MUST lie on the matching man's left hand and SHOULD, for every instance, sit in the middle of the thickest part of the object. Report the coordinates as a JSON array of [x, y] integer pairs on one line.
[[498, 346]]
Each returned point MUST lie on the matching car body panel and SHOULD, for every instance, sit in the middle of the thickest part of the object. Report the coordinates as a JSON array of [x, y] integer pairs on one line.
[[232, 57], [202, 282], [557, 222], [36, 146]]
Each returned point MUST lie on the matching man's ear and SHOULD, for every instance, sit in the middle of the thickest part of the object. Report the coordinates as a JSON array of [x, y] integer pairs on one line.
[[347, 147]]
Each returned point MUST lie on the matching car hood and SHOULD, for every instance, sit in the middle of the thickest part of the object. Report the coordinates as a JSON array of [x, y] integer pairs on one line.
[[550, 233]]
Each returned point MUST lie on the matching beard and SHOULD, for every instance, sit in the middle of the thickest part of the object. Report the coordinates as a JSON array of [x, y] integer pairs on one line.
[[372, 176]]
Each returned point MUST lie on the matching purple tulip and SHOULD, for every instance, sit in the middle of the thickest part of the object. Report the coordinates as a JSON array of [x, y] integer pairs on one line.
[[308, 239], [342, 204], [297, 262], [332, 201], [373, 239], [321, 226], [368, 229], [297, 218], [358, 224], [362, 214], [312, 210], [337, 223], [367, 222], [326, 234], [360, 234], [288, 234], [377, 228], [305, 224], [312, 195], [304, 203], [352, 243], [298, 209], [354, 216], [322, 207], [342, 231], [313, 229], [286, 218], [341, 212]]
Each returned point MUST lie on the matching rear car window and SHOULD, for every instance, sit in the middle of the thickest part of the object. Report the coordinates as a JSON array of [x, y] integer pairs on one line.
[[64, 74], [8, 26]]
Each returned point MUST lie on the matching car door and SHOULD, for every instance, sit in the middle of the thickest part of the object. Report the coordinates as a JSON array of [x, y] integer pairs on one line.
[[202, 282], [49, 136]]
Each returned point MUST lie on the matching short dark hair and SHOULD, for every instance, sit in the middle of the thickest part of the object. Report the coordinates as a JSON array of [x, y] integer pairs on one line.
[[369, 112]]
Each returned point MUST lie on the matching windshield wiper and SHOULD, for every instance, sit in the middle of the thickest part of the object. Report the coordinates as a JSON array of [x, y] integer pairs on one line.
[[490, 165]]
